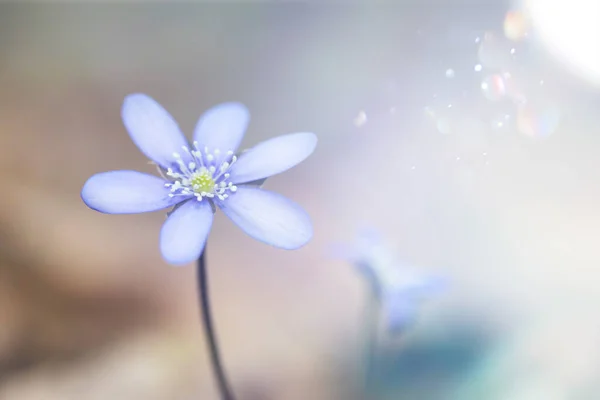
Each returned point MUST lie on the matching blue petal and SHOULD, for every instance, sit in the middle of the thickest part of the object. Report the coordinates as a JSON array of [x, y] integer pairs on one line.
[[369, 236], [273, 156], [126, 192], [434, 285], [427, 287], [268, 217], [153, 129], [399, 311], [184, 233], [222, 127]]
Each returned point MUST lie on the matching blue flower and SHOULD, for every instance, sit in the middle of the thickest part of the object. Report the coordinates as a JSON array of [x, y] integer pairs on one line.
[[199, 178], [398, 287]]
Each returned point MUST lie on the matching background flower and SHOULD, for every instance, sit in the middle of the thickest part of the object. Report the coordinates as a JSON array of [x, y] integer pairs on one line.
[[399, 288]]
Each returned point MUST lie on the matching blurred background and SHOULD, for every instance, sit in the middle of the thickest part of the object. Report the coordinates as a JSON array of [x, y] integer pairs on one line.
[[465, 131]]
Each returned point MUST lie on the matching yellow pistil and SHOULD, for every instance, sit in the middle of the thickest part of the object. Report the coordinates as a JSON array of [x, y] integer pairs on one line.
[[202, 181]]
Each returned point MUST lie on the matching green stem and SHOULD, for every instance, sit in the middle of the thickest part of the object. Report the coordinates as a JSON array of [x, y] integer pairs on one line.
[[224, 388], [371, 320]]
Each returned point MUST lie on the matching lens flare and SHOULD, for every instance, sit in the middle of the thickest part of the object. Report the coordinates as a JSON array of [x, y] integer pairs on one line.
[[494, 52], [570, 31], [516, 25], [536, 121], [494, 87]]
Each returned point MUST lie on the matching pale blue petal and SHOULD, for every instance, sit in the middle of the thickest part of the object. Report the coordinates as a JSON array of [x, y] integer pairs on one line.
[[369, 237], [268, 217], [222, 127], [272, 157], [434, 285], [427, 286], [367, 271], [153, 129], [126, 192], [258, 182], [184, 233], [399, 311], [401, 304]]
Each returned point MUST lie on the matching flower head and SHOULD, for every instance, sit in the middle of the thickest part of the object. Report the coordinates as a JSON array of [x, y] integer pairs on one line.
[[398, 287], [203, 176]]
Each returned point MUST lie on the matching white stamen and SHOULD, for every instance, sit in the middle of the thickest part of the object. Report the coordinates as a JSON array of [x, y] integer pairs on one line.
[[189, 178]]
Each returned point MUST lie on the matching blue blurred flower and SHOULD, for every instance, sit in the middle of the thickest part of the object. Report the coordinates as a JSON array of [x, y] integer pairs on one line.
[[399, 288], [196, 179]]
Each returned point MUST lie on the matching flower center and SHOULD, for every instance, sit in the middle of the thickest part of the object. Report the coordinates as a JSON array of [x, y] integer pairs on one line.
[[202, 181], [201, 177]]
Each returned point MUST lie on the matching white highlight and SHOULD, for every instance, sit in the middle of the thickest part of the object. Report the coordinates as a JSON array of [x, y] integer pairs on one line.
[[570, 30], [360, 119]]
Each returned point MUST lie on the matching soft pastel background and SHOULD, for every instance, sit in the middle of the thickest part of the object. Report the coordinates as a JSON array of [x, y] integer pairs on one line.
[[89, 310]]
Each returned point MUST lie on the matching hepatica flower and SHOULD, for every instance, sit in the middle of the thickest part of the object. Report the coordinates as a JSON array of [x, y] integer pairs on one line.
[[199, 178], [399, 288]]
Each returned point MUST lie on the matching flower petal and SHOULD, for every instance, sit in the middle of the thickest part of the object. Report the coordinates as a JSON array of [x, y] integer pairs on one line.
[[268, 217], [427, 286], [152, 129], [184, 233], [273, 156], [126, 192], [368, 237], [222, 127], [400, 311]]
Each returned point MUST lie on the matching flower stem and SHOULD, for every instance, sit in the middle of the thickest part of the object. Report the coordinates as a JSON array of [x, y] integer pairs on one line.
[[213, 347], [371, 343]]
